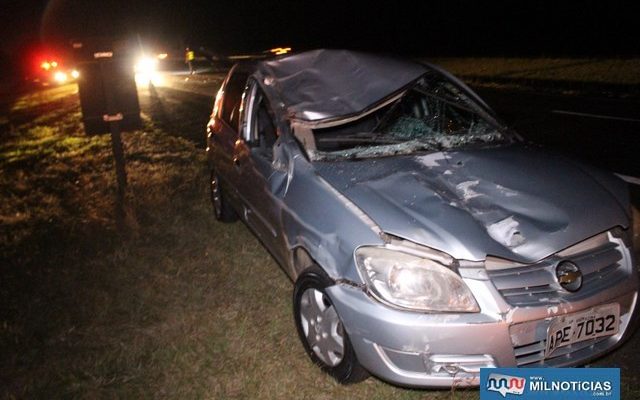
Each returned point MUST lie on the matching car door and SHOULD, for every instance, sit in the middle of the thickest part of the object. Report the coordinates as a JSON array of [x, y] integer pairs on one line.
[[223, 133], [259, 176]]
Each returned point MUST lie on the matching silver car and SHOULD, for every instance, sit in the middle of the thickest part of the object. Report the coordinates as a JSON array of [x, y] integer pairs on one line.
[[425, 239]]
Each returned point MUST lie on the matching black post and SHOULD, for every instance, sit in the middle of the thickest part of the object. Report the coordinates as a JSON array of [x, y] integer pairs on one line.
[[113, 118], [109, 101]]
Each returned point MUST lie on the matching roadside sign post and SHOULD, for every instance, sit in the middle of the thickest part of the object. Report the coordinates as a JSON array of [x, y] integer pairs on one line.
[[113, 118], [109, 102]]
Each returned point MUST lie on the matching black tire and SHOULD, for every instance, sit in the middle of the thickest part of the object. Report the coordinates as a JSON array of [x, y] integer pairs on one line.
[[345, 367], [222, 210]]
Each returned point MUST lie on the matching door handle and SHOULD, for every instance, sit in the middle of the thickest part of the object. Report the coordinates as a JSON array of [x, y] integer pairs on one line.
[[240, 152]]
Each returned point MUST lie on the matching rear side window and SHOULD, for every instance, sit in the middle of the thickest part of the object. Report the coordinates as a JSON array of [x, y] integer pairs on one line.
[[261, 133], [232, 98]]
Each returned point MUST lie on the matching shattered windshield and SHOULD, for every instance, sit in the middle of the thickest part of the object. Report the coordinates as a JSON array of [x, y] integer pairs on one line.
[[432, 115]]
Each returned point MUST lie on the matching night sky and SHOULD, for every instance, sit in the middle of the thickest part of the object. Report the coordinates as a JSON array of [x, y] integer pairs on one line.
[[427, 28]]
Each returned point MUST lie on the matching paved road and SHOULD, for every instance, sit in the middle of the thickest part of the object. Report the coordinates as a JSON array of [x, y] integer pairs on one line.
[[181, 104], [603, 131]]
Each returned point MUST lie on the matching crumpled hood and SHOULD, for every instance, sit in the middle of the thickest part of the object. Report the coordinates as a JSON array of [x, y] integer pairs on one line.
[[509, 202]]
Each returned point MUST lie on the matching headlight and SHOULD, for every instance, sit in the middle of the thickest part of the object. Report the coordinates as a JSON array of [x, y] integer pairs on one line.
[[413, 282], [146, 71], [60, 77], [146, 65]]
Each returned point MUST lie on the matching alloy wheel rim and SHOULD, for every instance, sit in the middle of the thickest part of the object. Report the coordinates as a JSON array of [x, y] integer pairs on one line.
[[322, 328]]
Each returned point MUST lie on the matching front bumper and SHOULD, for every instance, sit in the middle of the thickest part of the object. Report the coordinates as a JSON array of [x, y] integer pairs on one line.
[[444, 350]]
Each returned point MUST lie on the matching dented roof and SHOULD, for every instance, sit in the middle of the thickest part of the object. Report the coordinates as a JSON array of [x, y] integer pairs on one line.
[[324, 84]]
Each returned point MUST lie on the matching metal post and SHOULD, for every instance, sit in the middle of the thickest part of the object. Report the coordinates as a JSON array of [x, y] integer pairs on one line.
[[113, 117]]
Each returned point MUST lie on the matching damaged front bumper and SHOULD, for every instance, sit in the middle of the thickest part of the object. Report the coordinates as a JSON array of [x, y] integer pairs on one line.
[[444, 350]]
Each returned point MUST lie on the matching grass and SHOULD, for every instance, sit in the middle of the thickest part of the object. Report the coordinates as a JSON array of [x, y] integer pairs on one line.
[[620, 71], [178, 307], [577, 72]]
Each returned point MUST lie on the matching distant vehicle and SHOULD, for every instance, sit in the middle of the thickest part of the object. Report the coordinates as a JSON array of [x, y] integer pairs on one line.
[[52, 72], [425, 239]]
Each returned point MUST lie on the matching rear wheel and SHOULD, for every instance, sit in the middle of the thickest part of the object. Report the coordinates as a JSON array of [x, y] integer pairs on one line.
[[221, 207], [321, 330]]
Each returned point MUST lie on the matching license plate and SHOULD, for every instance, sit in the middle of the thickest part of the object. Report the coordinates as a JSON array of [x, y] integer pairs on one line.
[[573, 328]]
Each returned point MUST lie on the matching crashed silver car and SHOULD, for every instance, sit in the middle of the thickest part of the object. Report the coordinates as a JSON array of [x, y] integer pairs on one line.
[[425, 239]]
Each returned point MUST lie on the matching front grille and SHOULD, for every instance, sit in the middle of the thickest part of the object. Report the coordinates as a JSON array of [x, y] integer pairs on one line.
[[529, 341], [532, 354], [600, 260]]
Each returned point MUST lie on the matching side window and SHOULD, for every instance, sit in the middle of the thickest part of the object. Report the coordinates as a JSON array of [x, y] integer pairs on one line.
[[260, 129], [232, 98]]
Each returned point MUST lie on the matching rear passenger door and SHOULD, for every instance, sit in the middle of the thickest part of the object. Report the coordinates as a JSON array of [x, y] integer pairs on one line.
[[224, 132]]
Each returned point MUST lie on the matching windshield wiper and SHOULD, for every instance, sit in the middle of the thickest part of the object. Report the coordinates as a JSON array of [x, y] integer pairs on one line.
[[364, 137]]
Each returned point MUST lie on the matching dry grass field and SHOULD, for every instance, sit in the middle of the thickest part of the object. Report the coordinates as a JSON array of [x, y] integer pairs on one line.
[[602, 71]]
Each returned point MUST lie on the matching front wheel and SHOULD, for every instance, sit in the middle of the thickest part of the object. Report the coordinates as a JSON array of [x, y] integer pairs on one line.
[[321, 330]]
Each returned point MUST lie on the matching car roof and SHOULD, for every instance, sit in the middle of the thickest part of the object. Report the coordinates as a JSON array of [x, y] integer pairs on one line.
[[326, 84]]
